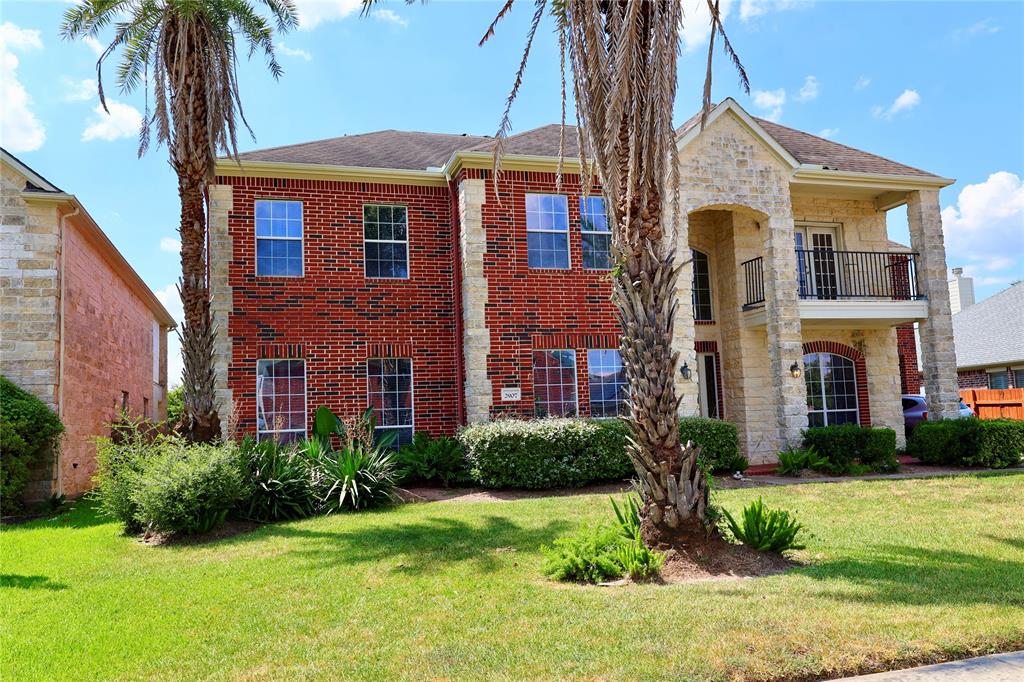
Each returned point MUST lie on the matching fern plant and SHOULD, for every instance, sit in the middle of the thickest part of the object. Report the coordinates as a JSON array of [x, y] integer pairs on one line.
[[639, 561], [764, 529], [588, 556]]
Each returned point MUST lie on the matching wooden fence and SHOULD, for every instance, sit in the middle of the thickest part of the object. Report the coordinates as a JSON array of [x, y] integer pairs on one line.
[[995, 403]]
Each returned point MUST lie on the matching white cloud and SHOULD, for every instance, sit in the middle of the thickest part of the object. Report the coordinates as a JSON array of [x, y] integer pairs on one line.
[[20, 130], [828, 132], [170, 245], [809, 90], [697, 22], [770, 102], [389, 16], [862, 83], [96, 46], [313, 12], [907, 100], [293, 52], [172, 301], [985, 27], [755, 8], [985, 230], [79, 91], [123, 120]]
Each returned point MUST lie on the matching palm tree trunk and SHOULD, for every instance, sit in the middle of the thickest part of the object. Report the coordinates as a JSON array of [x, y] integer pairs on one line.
[[191, 159]]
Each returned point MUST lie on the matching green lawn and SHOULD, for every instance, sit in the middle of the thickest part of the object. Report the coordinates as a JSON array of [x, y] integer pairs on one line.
[[901, 571]]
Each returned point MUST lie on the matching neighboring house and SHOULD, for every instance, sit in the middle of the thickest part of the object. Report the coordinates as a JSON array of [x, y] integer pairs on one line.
[[990, 341], [80, 329], [387, 269]]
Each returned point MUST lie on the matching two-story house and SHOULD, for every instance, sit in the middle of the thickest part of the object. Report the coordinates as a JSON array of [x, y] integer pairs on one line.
[[388, 269]]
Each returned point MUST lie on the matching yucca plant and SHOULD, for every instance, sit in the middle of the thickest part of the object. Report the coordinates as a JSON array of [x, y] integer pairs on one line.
[[432, 460], [279, 482], [764, 529], [353, 477]]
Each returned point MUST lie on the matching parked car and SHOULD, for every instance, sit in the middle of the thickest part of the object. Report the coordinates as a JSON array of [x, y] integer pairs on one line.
[[915, 411]]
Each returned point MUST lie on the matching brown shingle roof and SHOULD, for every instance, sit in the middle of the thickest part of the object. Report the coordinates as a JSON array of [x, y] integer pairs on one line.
[[807, 148], [382, 149], [419, 151]]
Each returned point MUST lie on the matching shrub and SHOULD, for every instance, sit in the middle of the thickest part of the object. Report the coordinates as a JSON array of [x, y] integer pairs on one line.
[[278, 482], [353, 477], [766, 530], [844, 445], [175, 404], [189, 488], [432, 460], [999, 443], [546, 453], [718, 440], [638, 560], [29, 430], [119, 464], [588, 556], [794, 460], [942, 442]]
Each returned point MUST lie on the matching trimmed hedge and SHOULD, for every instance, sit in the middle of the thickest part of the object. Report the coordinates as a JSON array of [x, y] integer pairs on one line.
[[28, 431], [995, 443], [569, 452], [719, 441], [846, 445], [546, 453]]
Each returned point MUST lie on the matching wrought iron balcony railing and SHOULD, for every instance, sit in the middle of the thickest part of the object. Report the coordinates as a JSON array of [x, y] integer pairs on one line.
[[826, 274]]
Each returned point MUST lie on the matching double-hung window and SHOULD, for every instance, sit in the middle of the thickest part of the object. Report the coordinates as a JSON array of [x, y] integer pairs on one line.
[[280, 400], [547, 231], [597, 238], [702, 310], [554, 383], [278, 238], [386, 241], [389, 385], [607, 383]]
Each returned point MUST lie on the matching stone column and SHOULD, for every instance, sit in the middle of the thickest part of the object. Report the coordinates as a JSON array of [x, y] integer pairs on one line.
[[476, 337], [785, 340], [938, 358], [683, 329], [221, 297]]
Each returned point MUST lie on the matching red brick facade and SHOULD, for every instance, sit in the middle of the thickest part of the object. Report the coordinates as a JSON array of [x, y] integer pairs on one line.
[[906, 347], [334, 317]]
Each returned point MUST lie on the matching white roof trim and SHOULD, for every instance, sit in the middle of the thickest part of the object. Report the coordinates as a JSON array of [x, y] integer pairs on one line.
[[730, 105]]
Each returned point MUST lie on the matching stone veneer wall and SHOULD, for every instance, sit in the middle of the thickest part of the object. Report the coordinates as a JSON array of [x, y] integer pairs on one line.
[[476, 337], [221, 248], [29, 291]]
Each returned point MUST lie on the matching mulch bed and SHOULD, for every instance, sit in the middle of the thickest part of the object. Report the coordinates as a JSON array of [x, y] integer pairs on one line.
[[722, 560], [228, 530]]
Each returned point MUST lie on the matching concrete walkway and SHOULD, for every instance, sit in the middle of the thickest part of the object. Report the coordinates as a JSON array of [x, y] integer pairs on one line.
[[996, 668]]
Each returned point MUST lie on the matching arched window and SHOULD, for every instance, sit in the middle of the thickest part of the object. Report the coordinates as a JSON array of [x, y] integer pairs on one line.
[[831, 389], [701, 287]]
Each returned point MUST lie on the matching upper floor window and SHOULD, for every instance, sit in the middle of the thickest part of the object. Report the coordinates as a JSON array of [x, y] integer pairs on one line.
[[547, 231], [278, 238], [607, 383], [281, 400], [389, 384], [554, 383], [702, 287], [597, 238], [831, 390], [386, 241]]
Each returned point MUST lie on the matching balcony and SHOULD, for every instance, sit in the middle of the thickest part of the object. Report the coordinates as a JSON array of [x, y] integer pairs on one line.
[[836, 288]]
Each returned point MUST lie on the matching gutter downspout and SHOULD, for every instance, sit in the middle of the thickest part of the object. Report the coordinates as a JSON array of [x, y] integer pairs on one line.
[[60, 360], [460, 394]]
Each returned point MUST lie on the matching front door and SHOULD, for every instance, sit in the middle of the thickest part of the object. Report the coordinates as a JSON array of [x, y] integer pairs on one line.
[[817, 265], [708, 395]]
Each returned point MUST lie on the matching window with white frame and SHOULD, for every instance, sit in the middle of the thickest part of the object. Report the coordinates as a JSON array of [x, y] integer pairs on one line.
[[278, 238], [607, 378], [389, 385], [831, 389], [597, 237], [547, 231], [280, 400], [702, 310], [386, 241], [554, 383], [999, 380]]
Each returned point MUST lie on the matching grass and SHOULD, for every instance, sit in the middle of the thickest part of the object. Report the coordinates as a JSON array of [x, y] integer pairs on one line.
[[901, 572]]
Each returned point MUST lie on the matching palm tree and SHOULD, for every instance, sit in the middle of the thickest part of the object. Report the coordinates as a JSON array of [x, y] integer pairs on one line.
[[184, 53], [623, 56]]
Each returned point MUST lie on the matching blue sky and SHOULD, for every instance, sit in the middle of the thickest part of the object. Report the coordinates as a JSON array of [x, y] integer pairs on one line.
[[939, 86]]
